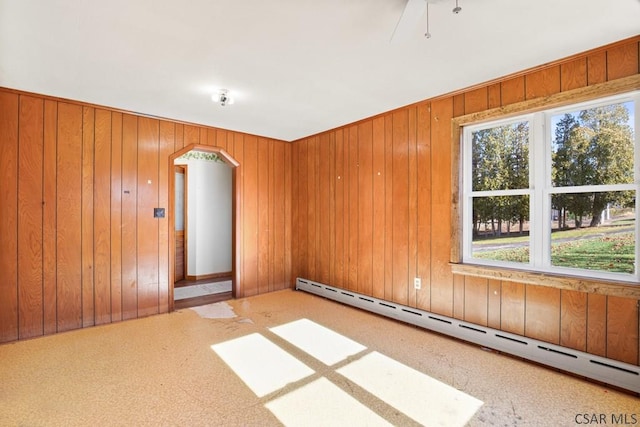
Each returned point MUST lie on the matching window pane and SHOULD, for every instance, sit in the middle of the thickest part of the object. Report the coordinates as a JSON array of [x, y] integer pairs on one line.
[[594, 231], [501, 157], [501, 228], [593, 146]]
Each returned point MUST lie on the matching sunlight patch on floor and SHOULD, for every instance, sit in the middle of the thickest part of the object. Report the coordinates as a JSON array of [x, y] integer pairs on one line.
[[262, 365], [420, 397], [327, 346], [322, 403]]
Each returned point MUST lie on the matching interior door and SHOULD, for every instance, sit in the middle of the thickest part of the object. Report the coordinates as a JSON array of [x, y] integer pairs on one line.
[[180, 215]]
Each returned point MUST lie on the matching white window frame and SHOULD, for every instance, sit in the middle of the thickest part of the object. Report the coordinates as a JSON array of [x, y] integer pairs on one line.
[[541, 189]]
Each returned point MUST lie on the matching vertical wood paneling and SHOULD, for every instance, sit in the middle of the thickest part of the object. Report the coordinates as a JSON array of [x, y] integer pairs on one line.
[[622, 329], [250, 214], [324, 209], [542, 313], [400, 196], [263, 215], [494, 95], [493, 315], [339, 264], [271, 235], [622, 61], [573, 74], [116, 216], [388, 207], [365, 207], [279, 217], [378, 161], [88, 126], [412, 207], [352, 218], [512, 90], [441, 277], [597, 324], [312, 214], [458, 296], [69, 217], [476, 100], [147, 225], [49, 218], [423, 163], [476, 300], [129, 239], [512, 307], [102, 217], [238, 153], [597, 68], [9, 108], [191, 135], [573, 320], [542, 82], [30, 157], [167, 141]]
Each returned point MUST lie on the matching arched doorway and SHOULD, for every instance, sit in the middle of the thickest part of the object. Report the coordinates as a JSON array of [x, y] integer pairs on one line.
[[235, 244]]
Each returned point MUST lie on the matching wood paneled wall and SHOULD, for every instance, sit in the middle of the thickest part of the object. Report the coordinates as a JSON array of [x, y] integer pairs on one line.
[[79, 244], [372, 210]]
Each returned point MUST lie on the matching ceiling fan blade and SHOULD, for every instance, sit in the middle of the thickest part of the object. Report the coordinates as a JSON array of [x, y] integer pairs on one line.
[[411, 16]]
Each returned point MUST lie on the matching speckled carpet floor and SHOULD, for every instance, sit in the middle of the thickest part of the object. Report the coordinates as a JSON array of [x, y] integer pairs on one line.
[[284, 358]]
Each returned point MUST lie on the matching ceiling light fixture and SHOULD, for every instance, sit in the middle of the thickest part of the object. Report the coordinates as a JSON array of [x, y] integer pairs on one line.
[[223, 98], [457, 9], [427, 34]]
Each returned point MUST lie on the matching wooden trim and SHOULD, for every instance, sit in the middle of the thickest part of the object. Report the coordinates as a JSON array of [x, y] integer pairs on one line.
[[211, 276], [615, 87], [236, 219], [599, 286]]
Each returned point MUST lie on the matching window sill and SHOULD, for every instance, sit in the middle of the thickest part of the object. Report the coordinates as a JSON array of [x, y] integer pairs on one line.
[[582, 284]]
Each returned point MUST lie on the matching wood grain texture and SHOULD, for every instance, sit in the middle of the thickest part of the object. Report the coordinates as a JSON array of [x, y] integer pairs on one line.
[[494, 306], [102, 217], [476, 300], [476, 100], [573, 320], [542, 83], [339, 264], [250, 217], [378, 207], [389, 208], [542, 313], [512, 90], [622, 329], [147, 225], [400, 194], [166, 147], [365, 207], [424, 219], [512, 307], [88, 154], [573, 74], [412, 207], [597, 68], [9, 114], [597, 324], [622, 61], [116, 217], [129, 217], [263, 190], [49, 219], [69, 217], [441, 276], [30, 167], [324, 209], [352, 216]]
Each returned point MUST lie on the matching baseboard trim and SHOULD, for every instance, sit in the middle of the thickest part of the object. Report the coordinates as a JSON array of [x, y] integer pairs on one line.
[[210, 276]]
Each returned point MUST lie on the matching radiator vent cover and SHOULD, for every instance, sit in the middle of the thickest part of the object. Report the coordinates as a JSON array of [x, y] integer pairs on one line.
[[608, 371]]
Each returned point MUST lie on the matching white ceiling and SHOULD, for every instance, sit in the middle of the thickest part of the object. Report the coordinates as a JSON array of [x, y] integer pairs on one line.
[[295, 67]]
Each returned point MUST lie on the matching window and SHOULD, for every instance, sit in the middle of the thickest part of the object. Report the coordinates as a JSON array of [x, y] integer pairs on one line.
[[555, 191]]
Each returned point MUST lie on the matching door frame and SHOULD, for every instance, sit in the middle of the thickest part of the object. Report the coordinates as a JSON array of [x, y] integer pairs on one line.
[[236, 288], [185, 169]]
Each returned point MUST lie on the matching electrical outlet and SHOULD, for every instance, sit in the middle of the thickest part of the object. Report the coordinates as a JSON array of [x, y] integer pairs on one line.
[[417, 283]]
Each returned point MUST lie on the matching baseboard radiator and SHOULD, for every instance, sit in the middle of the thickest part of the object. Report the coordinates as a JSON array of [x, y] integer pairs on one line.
[[608, 371]]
